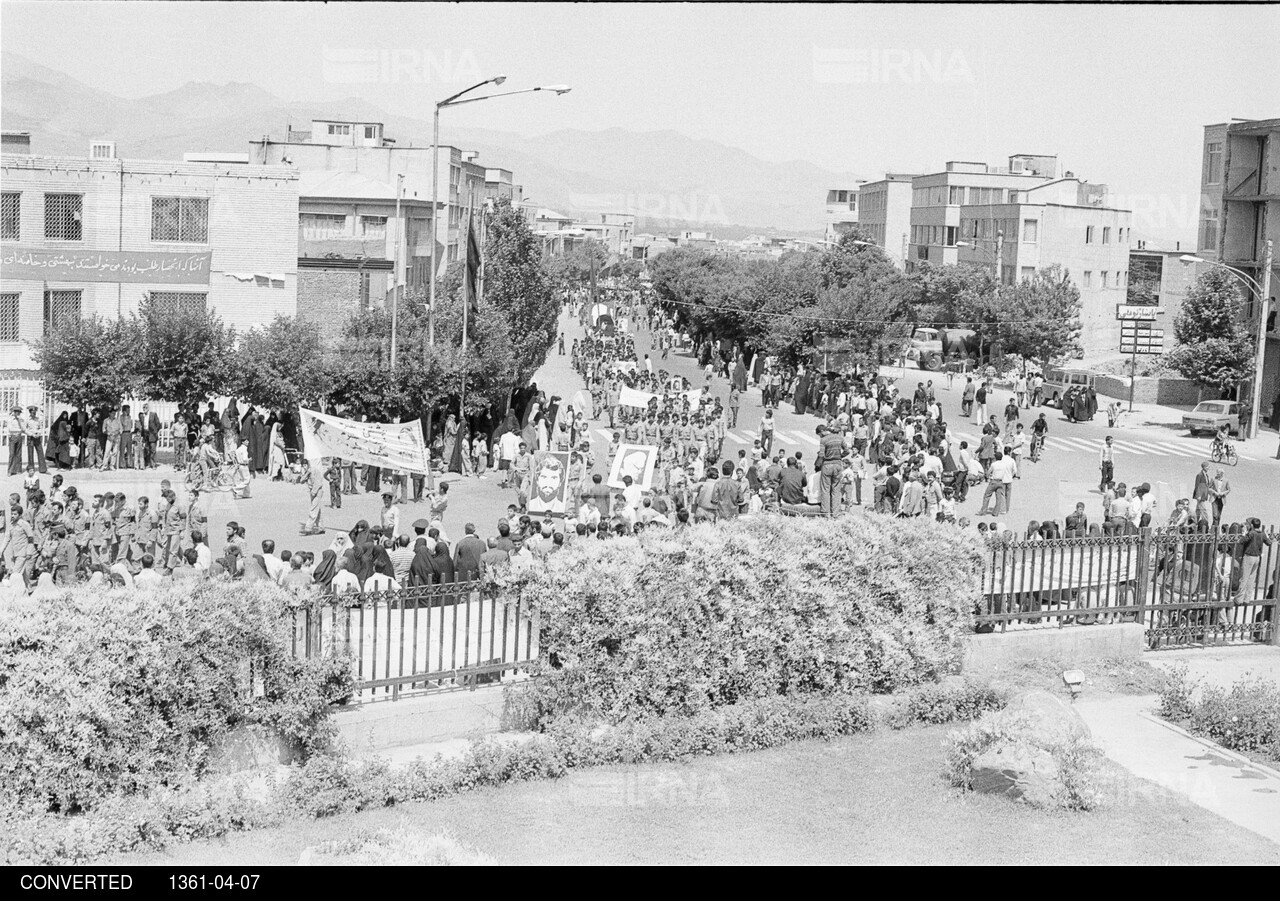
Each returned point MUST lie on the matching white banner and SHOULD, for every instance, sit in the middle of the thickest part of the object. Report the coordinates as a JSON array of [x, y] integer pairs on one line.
[[390, 445], [630, 397]]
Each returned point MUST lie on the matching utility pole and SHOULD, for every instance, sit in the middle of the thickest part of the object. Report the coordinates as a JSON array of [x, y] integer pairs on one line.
[[435, 226], [1264, 301], [395, 272]]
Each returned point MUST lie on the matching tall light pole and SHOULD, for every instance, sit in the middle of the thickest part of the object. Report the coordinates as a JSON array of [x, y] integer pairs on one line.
[[1263, 293], [395, 273], [456, 100]]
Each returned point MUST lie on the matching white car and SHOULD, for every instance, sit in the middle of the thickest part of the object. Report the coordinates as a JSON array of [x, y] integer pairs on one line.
[[1210, 415]]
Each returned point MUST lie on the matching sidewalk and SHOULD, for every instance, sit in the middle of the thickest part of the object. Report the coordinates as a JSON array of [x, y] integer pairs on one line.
[[1131, 733]]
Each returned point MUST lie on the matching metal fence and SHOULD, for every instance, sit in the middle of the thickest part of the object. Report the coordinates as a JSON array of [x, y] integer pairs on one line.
[[437, 637], [1186, 588]]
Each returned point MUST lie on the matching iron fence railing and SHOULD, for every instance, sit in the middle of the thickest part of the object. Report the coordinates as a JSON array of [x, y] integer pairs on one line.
[[1186, 588], [453, 635]]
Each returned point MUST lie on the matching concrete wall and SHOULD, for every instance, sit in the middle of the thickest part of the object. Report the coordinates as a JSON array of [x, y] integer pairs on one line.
[[1069, 645], [1168, 391], [329, 297]]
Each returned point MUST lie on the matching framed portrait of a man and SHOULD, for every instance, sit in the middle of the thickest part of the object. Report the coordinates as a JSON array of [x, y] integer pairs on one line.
[[637, 461], [550, 485]]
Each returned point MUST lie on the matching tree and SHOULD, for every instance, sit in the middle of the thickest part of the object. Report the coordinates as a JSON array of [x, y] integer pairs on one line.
[[183, 355], [1040, 317], [573, 268], [281, 365], [871, 310], [1215, 349], [516, 284], [90, 362]]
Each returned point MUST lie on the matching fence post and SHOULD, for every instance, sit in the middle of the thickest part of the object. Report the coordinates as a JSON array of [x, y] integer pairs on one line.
[[1144, 573]]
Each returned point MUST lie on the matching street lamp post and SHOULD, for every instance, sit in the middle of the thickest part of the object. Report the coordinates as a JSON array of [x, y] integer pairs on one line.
[[455, 100], [1263, 292]]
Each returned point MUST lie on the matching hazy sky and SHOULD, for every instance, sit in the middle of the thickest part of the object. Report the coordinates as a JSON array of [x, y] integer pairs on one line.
[[1119, 93]]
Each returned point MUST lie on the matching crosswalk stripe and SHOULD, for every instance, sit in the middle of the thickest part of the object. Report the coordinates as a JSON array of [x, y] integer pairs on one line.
[[729, 436], [1135, 447], [1074, 444], [750, 434], [808, 439], [1173, 449]]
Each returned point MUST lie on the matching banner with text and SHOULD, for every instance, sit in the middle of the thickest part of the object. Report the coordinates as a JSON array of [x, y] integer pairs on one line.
[[388, 445], [131, 267]]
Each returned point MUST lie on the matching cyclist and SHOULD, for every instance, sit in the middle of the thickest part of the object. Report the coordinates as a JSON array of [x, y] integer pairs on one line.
[[1039, 429], [205, 465], [1221, 440]]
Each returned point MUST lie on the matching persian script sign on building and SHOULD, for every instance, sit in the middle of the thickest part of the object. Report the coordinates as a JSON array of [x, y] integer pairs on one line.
[[390, 445], [128, 266]]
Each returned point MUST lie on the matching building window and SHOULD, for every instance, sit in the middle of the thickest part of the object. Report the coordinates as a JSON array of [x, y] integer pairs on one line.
[[61, 308], [373, 226], [1006, 274], [63, 215], [339, 129], [184, 219], [9, 307], [1213, 163], [1104, 275], [369, 131], [1028, 273], [10, 218], [179, 301], [1106, 234], [1030, 231], [951, 236], [364, 291], [318, 226], [1088, 234], [957, 196], [1088, 279], [1209, 230]]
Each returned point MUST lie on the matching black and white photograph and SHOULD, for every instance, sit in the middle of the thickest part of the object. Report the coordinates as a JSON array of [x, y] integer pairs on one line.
[[483, 434]]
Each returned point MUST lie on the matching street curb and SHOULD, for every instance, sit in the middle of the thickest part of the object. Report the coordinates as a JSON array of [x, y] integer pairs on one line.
[[1211, 745]]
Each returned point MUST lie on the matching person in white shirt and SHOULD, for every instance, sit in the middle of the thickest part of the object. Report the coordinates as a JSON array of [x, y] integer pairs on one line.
[[378, 582], [148, 577], [390, 516], [1017, 445], [345, 581], [589, 514], [204, 556], [276, 567], [631, 493], [508, 447]]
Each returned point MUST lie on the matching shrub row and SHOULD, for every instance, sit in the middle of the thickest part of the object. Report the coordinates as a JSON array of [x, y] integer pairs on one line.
[[329, 785], [112, 694], [683, 622], [1244, 718]]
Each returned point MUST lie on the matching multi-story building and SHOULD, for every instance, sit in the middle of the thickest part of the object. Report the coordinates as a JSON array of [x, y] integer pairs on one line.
[[937, 199], [499, 184], [93, 236], [362, 148], [842, 212], [350, 232], [613, 230], [1160, 277], [1064, 222], [884, 213], [1239, 214]]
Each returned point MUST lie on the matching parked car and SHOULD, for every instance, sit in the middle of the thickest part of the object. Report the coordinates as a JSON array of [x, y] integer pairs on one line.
[[1058, 381], [1209, 416]]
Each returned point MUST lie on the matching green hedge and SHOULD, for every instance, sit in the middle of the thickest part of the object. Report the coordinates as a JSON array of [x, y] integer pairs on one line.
[[109, 694], [686, 621]]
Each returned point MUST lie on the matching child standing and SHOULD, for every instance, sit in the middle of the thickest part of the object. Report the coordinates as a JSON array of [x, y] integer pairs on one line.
[[31, 483], [333, 475]]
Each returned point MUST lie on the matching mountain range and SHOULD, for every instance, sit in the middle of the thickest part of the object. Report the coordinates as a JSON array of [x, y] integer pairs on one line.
[[668, 179]]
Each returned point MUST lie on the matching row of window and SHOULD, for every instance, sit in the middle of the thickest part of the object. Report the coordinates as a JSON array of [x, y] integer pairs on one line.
[[1106, 279], [874, 200], [370, 131], [875, 230], [319, 226], [173, 219], [958, 195], [64, 307], [1091, 233]]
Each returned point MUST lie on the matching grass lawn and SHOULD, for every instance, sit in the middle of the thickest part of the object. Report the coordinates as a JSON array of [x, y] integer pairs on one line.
[[874, 798]]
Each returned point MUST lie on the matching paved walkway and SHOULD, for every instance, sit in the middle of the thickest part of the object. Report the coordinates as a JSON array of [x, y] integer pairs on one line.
[[1130, 732]]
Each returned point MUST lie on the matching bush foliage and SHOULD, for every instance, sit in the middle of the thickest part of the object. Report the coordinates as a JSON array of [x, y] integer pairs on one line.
[[1244, 718], [684, 622], [108, 694]]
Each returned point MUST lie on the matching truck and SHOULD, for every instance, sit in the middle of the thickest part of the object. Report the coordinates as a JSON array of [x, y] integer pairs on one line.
[[932, 348]]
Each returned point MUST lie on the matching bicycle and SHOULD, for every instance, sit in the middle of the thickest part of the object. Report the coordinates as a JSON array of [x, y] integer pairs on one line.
[[1223, 452], [1037, 447], [222, 476]]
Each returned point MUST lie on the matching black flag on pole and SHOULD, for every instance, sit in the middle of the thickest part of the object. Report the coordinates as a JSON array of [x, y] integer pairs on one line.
[[471, 273]]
